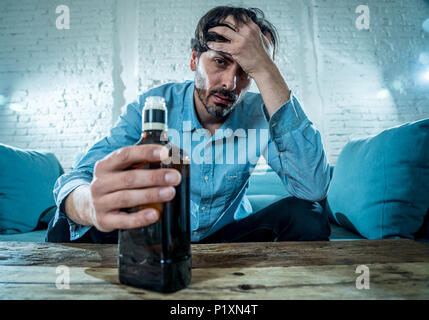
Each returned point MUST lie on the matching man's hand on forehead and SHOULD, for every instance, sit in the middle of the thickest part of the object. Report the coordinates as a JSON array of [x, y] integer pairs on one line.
[[246, 44]]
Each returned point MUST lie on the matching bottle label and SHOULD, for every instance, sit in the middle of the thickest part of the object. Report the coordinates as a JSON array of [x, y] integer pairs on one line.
[[154, 126]]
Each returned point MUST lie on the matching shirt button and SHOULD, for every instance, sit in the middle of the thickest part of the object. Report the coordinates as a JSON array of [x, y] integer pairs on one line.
[[206, 178], [203, 208]]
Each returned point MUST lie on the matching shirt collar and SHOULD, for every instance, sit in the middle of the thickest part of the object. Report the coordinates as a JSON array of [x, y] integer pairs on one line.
[[189, 110]]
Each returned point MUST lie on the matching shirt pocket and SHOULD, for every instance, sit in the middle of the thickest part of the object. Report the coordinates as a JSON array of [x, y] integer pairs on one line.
[[232, 184]]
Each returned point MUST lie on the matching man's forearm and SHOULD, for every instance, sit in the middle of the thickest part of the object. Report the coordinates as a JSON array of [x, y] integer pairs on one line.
[[273, 88], [78, 205]]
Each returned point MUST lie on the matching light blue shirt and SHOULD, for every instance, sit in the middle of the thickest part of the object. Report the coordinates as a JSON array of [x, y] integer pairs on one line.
[[220, 164]]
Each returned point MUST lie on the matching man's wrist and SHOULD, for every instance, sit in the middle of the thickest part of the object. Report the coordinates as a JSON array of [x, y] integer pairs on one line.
[[265, 71], [78, 205], [273, 88]]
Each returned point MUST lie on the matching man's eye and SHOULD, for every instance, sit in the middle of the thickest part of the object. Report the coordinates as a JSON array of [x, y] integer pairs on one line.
[[220, 62]]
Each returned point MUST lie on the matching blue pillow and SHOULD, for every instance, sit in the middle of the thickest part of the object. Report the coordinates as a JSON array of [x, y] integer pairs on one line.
[[380, 185], [26, 182]]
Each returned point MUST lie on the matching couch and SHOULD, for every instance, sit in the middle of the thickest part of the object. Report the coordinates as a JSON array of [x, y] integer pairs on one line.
[[258, 197], [379, 188]]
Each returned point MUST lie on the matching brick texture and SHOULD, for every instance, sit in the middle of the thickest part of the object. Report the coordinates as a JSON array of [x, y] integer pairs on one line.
[[62, 79], [71, 85]]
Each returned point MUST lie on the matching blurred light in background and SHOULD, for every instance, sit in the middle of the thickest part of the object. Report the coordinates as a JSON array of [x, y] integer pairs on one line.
[[16, 107], [424, 58], [2, 100], [422, 77], [425, 25], [397, 85], [425, 76], [383, 94]]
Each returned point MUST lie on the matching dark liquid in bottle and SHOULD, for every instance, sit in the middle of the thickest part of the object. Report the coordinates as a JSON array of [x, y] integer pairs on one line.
[[158, 256]]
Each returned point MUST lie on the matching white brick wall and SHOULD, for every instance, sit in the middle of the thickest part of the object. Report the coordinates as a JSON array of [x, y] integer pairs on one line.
[[73, 84], [354, 66], [62, 79]]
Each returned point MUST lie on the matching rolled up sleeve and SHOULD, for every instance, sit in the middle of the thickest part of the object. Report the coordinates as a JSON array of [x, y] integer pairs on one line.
[[63, 187], [296, 152]]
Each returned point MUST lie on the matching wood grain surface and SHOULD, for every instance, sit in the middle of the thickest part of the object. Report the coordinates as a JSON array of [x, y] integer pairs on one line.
[[399, 269]]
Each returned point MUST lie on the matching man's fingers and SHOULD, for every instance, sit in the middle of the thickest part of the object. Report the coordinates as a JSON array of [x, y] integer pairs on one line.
[[225, 32], [132, 198], [127, 156], [122, 220], [135, 179], [219, 46], [267, 45], [230, 23], [251, 24]]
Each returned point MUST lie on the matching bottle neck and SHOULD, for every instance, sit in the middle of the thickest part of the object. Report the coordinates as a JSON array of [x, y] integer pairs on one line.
[[155, 136]]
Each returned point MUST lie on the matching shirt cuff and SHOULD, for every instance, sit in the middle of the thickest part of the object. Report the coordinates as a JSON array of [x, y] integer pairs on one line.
[[289, 117], [76, 230]]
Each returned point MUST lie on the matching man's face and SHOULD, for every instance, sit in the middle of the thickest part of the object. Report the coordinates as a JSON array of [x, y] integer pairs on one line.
[[220, 82]]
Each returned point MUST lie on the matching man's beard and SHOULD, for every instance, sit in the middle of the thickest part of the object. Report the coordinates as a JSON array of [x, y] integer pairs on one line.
[[217, 110]]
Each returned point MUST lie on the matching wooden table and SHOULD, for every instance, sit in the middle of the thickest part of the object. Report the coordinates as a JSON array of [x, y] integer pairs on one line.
[[398, 269]]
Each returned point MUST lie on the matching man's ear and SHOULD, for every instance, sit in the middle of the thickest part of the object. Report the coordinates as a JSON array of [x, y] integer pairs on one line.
[[194, 60]]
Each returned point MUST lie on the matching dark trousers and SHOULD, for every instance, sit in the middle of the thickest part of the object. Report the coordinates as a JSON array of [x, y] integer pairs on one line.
[[290, 219]]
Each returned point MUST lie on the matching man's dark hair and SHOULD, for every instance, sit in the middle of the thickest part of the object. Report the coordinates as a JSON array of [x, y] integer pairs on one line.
[[214, 17]]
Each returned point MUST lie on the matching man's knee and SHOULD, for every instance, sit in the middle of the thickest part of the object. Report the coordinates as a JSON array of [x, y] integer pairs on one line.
[[302, 220], [313, 228]]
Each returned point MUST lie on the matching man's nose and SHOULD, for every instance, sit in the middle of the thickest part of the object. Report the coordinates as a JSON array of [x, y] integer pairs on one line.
[[230, 80]]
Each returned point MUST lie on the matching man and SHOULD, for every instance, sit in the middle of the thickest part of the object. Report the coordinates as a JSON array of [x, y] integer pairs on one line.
[[232, 47]]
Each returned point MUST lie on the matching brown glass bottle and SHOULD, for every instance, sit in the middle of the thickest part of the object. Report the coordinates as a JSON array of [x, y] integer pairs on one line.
[[158, 256]]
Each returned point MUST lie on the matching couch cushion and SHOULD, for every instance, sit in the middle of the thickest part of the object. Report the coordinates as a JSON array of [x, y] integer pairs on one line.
[[339, 233], [265, 188], [33, 236], [380, 184], [26, 182], [266, 183], [259, 202]]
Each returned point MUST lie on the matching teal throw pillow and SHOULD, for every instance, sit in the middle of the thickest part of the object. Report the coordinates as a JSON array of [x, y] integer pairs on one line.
[[26, 182], [380, 185]]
